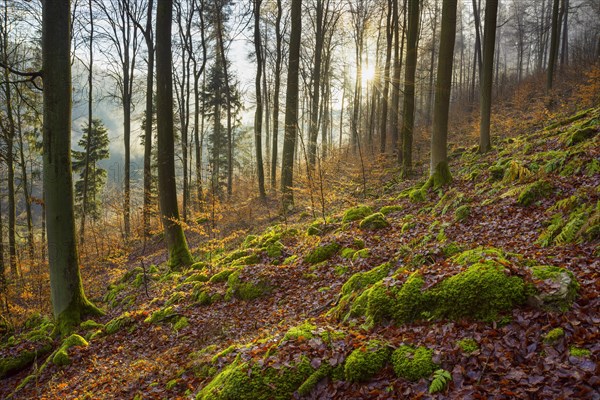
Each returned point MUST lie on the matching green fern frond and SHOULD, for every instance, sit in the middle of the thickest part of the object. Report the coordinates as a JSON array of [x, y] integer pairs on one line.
[[441, 378], [547, 236], [516, 172], [566, 204], [570, 232]]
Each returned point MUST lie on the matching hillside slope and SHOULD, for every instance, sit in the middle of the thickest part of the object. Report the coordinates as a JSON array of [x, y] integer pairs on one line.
[[493, 279]]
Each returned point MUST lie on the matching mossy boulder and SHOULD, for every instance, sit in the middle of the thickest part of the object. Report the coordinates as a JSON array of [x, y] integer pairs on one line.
[[357, 213], [245, 381], [413, 363], [221, 276], [300, 332], [462, 213], [61, 356], [581, 135], [322, 253], [417, 195], [534, 192], [197, 278], [385, 210], [20, 361], [118, 323], [556, 288], [246, 290], [366, 361], [374, 221]]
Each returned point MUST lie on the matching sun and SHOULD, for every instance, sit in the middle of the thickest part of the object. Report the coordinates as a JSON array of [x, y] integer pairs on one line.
[[368, 73]]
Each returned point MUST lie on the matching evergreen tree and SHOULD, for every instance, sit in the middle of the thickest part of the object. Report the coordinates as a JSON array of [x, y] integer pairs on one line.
[[89, 201]]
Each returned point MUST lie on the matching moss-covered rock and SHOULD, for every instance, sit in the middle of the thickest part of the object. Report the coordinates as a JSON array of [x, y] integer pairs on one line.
[[197, 278], [245, 381], [554, 335], [300, 332], [534, 191], [417, 195], [413, 363], [322, 253], [582, 134], [161, 315], [61, 356], [366, 361], [557, 289], [374, 221], [309, 384], [118, 323], [13, 364], [361, 280], [385, 210], [356, 213], [246, 290], [221, 276]]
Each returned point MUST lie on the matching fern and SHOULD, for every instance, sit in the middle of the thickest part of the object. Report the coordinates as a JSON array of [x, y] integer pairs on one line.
[[565, 205], [516, 172], [547, 237], [441, 378], [571, 229]]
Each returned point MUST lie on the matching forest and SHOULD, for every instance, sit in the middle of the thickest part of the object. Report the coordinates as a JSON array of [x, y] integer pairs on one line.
[[284, 199]]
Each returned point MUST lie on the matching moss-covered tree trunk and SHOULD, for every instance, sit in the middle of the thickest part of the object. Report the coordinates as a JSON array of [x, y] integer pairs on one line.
[[179, 254], [439, 171], [68, 299], [489, 41]]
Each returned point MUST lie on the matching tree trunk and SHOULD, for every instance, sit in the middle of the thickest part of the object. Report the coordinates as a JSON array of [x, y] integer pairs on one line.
[[179, 254], [26, 192], [386, 77], [439, 171], [68, 299], [291, 107], [489, 41], [276, 89], [554, 41], [564, 49], [148, 37], [408, 113], [259, 103]]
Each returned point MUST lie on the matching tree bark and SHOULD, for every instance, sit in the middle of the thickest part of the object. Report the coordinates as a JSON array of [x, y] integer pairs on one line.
[[260, 173], [489, 41], [291, 107], [179, 254], [554, 41], [68, 299], [439, 172]]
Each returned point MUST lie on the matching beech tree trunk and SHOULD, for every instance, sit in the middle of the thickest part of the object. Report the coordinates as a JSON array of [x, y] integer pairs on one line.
[[179, 254], [439, 171], [485, 104], [291, 107], [69, 303], [259, 103]]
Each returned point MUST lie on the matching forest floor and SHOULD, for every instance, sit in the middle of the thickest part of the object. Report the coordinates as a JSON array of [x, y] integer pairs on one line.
[[294, 312]]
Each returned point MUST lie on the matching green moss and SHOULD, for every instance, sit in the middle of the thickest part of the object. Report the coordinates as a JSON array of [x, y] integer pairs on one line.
[[247, 260], [451, 249], [221, 276], [479, 254], [362, 253], [374, 221], [365, 362], [534, 191], [581, 135], [564, 280], [417, 195], [180, 324], [360, 280], [554, 335], [304, 331], [468, 345], [61, 358], [160, 315], [385, 210], [347, 253], [199, 265], [90, 324], [462, 213], [413, 363], [118, 323], [23, 359], [410, 300], [246, 290], [245, 381], [176, 298], [579, 352], [482, 292], [290, 259], [356, 213], [441, 176], [250, 241], [407, 226], [309, 384], [496, 172], [197, 278], [322, 253]]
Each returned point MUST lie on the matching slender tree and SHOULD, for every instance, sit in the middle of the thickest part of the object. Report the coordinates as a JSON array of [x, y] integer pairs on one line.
[[408, 113], [276, 90], [439, 171], [554, 43], [485, 103], [291, 106], [68, 299], [258, 123], [179, 254]]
